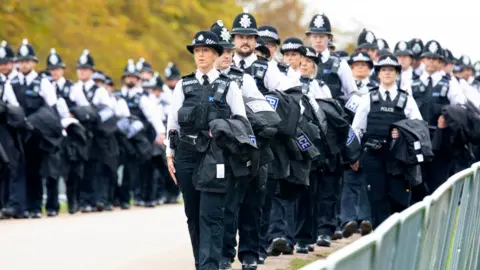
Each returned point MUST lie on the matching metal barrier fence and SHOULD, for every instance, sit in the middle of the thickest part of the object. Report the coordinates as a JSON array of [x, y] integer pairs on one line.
[[440, 232]]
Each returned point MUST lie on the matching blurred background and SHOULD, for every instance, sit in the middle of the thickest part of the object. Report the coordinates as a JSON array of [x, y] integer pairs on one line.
[[158, 30]]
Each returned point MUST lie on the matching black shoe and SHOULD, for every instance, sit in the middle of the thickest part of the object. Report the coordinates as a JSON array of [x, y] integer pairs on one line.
[[36, 214], [365, 227], [150, 204], [288, 249], [100, 206], [172, 199], [52, 213], [337, 235], [249, 264], [125, 206], [86, 209], [324, 241], [349, 229], [277, 246], [261, 259], [225, 264], [311, 248], [139, 203], [302, 248], [108, 207], [9, 212]]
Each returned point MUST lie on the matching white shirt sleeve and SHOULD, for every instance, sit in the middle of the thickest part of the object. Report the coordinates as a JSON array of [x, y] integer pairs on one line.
[[62, 108], [77, 96], [276, 80], [235, 100], [249, 87], [47, 91], [9, 94], [152, 114], [348, 83], [121, 108], [172, 121], [359, 124], [102, 98], [455, 94], [411, 109]]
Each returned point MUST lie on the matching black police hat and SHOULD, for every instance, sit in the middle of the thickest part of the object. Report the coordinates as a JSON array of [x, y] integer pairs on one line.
[[476, 68], [360, 57], [320, 24], [224, 36], [244, 24], [465, 62], [367, 40], [416, 45], [205, 39], [155, 82], [85, 61], [143, 65], [402, 49], [130, 69], [383, 47], [99, 76], [172, 72], [291, 44], [45, 74], [310, 52], [26, 52], [269, 34], [342, 54], [54, 60], [388, 60], [448, 57], [6, 53], [109, 81], [260, 46], [432, 49]]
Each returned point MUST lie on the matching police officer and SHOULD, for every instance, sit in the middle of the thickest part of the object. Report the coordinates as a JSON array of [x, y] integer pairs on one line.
[[468, 72], [32, 93], [378, 110], [86, 93], [331, 47], [405, 58], [144, 109], [204, 209], [7, 61], [292, 55], [172, 76], [361, 66], [367, 43], [269, 35], [416, 45], [383, 47]]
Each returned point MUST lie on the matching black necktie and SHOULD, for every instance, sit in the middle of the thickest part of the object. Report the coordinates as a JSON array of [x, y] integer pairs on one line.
[[388, 99], [24, 81], [57, 87], [205, 80], [242, 64], [359, 84], [430, 83]]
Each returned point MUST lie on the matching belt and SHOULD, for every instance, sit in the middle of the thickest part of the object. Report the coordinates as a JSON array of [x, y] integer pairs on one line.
[[188, 139]]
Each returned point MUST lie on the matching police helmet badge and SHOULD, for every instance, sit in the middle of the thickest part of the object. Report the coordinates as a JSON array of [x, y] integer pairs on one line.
[[370, 37], [433, 47], [318, 22], [53, 59], [402, 45], [245, 21], [416, 48], [130, 66], [24, 50], [83, 58], [201, 38], [139, 64], [381, 44], [225, 35], [466, 60], [3, 53]]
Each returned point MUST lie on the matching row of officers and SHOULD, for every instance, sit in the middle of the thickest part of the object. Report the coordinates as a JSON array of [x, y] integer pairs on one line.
[[261, 147], [288, 153], [83, 132]]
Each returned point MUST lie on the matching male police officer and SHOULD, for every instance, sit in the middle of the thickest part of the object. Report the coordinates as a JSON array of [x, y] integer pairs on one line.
[[432, 91], [405, 58], [7, 61], [416, 45], [378, 110], [194, 96]]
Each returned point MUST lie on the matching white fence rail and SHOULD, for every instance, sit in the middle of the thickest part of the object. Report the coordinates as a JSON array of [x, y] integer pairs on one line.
[[440, 232]]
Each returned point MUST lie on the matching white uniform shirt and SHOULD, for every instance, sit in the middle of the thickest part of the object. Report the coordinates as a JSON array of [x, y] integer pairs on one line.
[[148, 107], [62, 106], [233, 98], [9, 95], [101, 97], [318, 92], [406, 79], [344, 73], [12, 74], [455, 94], [293, 74], [470, 93], [274, 79], [249, 87], [359, 124], [47, 92]]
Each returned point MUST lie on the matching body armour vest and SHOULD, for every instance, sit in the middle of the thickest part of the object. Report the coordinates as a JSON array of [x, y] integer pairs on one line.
[[258, 70], [283, 67], [328, 72], [383, 113], [90, 93], [236, 74], [65, 93], [203, 104], [133, 104], [28, 96], [431, 100]]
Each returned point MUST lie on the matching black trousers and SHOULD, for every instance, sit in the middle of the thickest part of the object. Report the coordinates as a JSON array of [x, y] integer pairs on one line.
[[87, 188], [244, 201], [204, 210], [327, 200], [73, 180], [306, 211], [52, 203], [33, 157], [14, 182]]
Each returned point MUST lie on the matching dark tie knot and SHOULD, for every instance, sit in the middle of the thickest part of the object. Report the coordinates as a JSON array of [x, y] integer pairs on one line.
[[205, 80], [242, 64]]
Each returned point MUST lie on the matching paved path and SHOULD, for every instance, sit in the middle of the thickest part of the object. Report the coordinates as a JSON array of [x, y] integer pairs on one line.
[[146, 239]]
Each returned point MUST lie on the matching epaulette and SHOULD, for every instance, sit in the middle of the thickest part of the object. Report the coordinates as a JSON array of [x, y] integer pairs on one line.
[[188, 75]]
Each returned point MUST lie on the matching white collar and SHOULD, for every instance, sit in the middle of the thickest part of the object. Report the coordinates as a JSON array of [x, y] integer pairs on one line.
[[60, 82], [392, 90], [88, 84], [325, 55], [248, 60], [212, 75], [131, 92], [29, 77]]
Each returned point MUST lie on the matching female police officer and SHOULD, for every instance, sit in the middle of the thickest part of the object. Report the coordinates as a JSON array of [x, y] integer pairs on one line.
[[379, 109], [194, 105]]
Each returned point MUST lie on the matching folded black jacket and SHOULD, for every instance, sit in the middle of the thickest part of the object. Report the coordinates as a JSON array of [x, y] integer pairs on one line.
[[48, 128], [414, 145]]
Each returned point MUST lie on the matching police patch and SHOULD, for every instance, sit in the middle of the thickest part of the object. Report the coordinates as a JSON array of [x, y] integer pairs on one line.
[[273, 101], [353, 103], [435, 94], [303, 142], [253, 139], [210, 99], [351, 136], [259, 106]]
